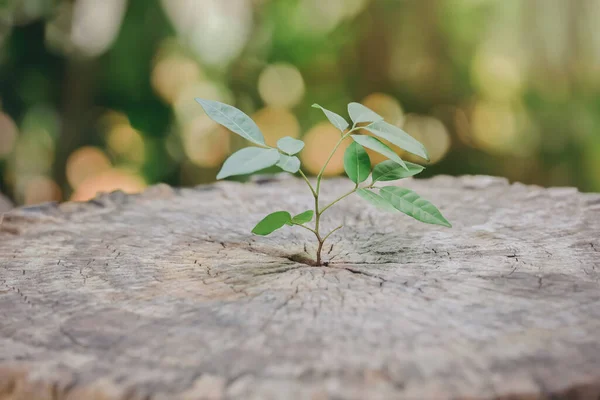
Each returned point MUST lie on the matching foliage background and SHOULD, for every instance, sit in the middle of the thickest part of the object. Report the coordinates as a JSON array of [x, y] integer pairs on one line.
[[98, 95]]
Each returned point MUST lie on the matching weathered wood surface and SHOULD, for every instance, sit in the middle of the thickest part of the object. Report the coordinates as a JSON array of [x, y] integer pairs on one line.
[[5, 204], [166, 295]]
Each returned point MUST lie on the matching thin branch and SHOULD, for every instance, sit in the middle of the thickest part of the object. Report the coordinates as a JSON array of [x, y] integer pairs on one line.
[[329, 234]]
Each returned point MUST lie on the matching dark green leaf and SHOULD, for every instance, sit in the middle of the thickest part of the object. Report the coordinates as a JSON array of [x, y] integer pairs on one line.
[[289, 145], [357, 163], [337, 120], [376, 145], [289, 164], [412, 204], [303, 218], [232, 119], [376, 200], [389, 170], [272, 222], [248, 160], [398, 137], [360, 113]]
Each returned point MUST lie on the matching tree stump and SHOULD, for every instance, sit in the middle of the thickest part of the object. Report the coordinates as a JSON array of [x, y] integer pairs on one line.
[[167, 295]]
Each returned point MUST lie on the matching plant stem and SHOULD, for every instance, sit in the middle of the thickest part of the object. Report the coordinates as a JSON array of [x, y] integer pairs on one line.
[[308, 182], [338, 199], [315, 193]]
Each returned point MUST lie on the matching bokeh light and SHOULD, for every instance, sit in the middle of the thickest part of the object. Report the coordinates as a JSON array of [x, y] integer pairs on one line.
[[320, 141], [205, 142], [106, 182], [172, 74], [216, 30], [96, 24], [501, 128], [432, 133], [281, 85], [41, 189], [84, 163], [106, 88], [126, 143], [276, 123], [386, 106]]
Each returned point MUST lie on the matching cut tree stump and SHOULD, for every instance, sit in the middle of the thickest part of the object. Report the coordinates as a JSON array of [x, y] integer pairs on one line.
[[167, 295]]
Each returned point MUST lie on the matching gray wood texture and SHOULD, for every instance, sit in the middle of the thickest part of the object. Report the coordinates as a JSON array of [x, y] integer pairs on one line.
[[167, 295]]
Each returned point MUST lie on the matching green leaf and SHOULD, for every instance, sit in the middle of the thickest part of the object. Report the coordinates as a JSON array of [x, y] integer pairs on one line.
[[289, 145], [398, 137], [412, 204], [248, 160], [360, 113], [357, 163], [376, 145], [289, 164], [303, 218], [389, 170], [337, 120], [376, 200], [233, 119], [272, 222]]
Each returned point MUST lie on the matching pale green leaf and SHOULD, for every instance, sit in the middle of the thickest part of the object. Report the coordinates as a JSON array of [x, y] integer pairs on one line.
[[389, 170], [303, 218], [272, 222], [376, 200], [289, 145], [376, 145], [360, 113], [412, 204], [233, 119], [337, 120], [248, 160], [357, 163], [397, 136], [289, 164]]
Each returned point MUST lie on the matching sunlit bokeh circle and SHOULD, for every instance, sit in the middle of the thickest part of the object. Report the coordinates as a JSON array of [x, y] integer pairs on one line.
[[108, 181], [386, 106], [320, 141], [276, 123], [84, 163], [281, 85], [432, 133], [41, 189], [205, 142]]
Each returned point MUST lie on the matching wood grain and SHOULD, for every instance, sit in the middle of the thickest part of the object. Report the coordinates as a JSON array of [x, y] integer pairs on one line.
[[167, 295]]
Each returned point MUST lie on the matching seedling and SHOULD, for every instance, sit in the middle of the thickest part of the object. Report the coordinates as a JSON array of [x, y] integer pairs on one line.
[[356, 164]]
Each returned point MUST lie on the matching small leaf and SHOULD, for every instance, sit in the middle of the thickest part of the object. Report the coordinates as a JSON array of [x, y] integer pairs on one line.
[[398, 137], [357, 163], [289, 164], [337, 120], [389, 170], [272, 222], [248, 160], [376, 145], [233, 119], [376, 200], [303, 218], [360, 113], [289, 145], [413, 205]]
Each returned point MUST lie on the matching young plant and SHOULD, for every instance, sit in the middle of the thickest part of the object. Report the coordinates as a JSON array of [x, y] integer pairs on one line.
[[356, 164]]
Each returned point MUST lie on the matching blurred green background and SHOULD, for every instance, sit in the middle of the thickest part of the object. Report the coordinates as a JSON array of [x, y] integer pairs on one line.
[[97, 95]]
